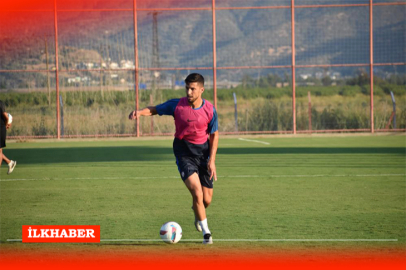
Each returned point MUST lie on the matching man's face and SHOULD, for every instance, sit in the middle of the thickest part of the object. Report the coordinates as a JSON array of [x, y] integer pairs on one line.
[[194, 91]]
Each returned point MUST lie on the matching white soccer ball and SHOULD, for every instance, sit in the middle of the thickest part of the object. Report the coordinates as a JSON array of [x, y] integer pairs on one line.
[[171, 232], [10, 119]]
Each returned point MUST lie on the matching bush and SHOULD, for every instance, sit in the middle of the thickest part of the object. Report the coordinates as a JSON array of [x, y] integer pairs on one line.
[[398, 90], [350, 91], [268, 116], [317, 91], [378, 91], [337, 118]]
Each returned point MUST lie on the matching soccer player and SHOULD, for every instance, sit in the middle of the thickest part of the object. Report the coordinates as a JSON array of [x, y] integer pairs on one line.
[[3, 133], [195, 145]]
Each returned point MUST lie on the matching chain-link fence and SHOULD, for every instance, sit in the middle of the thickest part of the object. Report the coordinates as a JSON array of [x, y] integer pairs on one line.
[[73, 68]]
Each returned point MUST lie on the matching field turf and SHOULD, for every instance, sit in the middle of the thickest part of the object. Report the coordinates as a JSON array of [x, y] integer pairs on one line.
[[274, 194]]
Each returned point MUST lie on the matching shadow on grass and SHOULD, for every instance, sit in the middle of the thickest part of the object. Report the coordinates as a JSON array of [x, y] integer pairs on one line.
[[147, 153]]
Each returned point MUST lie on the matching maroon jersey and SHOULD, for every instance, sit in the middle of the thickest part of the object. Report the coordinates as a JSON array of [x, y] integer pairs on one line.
[[192, 125]]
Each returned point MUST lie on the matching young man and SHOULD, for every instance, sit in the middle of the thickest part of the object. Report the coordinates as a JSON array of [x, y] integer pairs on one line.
[[195, 145], [3, 133]]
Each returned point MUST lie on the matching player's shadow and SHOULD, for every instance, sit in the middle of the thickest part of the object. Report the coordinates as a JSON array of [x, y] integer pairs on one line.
[[148, 153], [90, 154]]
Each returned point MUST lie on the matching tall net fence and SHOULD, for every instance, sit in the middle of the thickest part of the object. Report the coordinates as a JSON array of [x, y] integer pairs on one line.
[[72, 68]]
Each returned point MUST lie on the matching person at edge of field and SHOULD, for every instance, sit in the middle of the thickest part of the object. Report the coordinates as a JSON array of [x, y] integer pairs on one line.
[[194, 146], [3, 134]]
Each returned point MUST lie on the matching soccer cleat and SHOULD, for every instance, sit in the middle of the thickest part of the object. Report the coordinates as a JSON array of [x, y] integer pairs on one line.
[[197, 225], [11, 166], [207, 239]]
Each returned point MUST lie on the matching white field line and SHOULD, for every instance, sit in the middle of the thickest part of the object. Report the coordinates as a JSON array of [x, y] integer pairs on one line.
[[243, 240], [223, 176], [87, 178], [255, 141], [260, 240]]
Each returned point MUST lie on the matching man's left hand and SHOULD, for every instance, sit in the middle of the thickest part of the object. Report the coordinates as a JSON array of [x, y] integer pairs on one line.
[[212, 170]]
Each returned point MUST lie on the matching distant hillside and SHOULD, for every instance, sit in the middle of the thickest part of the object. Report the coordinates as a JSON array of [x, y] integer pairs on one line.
[[244, 37]]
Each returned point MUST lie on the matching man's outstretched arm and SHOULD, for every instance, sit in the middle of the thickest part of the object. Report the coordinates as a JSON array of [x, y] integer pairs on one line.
[[150, 110]]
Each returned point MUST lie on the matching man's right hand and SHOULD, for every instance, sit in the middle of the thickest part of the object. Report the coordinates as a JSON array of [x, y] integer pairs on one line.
[[133, 115]]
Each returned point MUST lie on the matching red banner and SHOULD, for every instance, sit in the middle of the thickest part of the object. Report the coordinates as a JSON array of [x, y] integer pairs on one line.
[[61, 233]]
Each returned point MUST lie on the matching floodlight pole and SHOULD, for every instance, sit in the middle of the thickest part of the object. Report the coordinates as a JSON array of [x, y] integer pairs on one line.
[[47, 65], [155, 51]]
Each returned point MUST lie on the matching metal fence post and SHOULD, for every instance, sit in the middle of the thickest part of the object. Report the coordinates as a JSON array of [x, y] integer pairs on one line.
[[394, 109], [309, 110], [136, 66], [371, 62], [58, 116], [235, 112], [214, 55], [293, 67]]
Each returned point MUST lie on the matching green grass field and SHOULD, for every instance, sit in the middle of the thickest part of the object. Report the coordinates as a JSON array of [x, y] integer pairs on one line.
[[330, 188]]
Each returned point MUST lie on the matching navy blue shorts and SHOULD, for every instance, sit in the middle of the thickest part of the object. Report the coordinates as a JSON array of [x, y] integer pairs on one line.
[[3, 134], [192, 158], [189, 165]]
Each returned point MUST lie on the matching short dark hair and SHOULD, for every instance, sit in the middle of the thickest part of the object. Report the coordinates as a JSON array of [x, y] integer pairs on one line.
[[195, 77]]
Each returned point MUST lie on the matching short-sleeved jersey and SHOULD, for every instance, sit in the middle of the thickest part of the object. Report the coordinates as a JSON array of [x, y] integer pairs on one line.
[[192, 125]]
